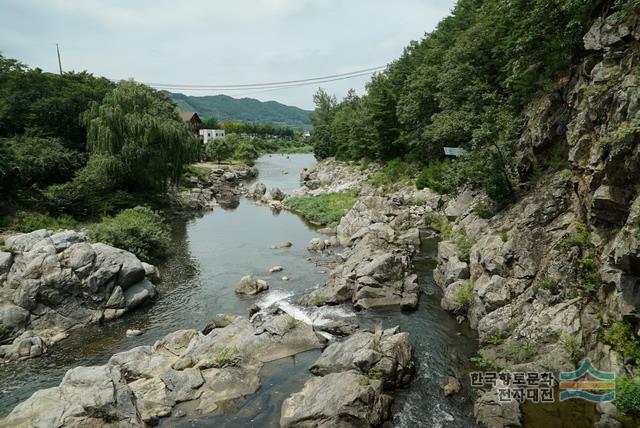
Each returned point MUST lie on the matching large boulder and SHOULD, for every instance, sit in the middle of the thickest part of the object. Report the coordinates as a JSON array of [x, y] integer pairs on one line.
[[250, 286], [338, 399]]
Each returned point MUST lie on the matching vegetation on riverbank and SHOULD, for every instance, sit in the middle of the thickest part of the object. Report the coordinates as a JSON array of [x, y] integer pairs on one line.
[[466, 85], [325, 209]]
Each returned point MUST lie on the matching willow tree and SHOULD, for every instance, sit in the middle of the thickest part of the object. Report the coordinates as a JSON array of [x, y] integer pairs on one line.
[[138, 133]]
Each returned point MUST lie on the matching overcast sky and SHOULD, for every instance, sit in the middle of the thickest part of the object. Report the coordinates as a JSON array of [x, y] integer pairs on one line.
[[218, 41]]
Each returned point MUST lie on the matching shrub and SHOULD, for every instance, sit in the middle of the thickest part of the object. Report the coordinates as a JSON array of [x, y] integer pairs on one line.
[[483, 362], [463, 295], [436, 176], [30, 221], [246, 152], [548, 283], [218, 149], [572, 348], [325, 209], [504, 237], [139, 230], [581, 238], [621, 336], [393, 172], [464, 245], [225, 356], [522, 352], [484, 209], [438, 223], [628, 395]]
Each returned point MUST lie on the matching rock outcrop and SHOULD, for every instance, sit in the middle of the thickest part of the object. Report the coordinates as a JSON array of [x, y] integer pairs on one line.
[[139, 386], [353, 382], [54, 281], [543, 279]]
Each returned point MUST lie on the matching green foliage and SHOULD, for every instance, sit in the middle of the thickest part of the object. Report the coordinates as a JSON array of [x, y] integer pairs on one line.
[[393, 172], [363, 380], [318, 300], [136, 126], [376, 373], [437, 176], [483, 362], [325, 209], [463, 295], [6, 332], [581, 238], [572, 348], [548, 283], [484, 209], [201, 173], [30, 221], [464, 245], [493, 339], [628, 395], [246, 152], [218, 149], [438, 223], [504, 236], [522, 352], [138, 230], [622, 338]]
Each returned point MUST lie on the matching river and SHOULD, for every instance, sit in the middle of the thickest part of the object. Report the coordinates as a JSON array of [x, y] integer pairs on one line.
[[210, 254]]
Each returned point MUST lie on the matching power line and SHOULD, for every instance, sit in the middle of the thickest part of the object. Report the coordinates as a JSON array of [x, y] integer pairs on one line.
[[271, 85]]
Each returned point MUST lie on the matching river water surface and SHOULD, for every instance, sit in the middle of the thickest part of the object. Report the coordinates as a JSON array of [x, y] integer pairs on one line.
[[210, 255]]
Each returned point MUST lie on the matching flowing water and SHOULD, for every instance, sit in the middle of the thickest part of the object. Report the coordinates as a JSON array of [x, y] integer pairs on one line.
[[210, 254]]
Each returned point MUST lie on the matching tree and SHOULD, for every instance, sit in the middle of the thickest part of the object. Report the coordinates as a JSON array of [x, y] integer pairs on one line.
[[218, 149], [138, 128], [246, 152]]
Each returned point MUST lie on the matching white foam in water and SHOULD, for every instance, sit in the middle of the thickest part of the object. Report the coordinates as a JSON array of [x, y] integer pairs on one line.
[[309, 315]]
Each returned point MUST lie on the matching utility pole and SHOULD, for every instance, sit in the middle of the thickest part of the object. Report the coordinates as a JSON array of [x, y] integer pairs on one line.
[[59, 62]]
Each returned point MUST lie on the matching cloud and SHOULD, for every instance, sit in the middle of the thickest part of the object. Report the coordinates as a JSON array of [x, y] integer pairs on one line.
[[217, 42]]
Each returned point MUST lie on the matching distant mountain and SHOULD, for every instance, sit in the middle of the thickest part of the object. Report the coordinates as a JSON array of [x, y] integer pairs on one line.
[[224, 107]]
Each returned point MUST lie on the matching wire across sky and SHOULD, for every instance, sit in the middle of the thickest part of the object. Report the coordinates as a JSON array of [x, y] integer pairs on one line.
[[268, 85]]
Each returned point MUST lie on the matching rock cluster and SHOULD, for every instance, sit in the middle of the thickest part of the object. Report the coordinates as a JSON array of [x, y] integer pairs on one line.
[[353, 379], [53, 281], [138, 386], [380, 236]]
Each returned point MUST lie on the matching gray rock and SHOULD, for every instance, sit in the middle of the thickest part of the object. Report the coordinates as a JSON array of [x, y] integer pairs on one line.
[[249, 285], [257, 190], [338, 399], [13, 316], [493, 413], [151, 272], [316, 245], [277, 194], [281, 245], [138, 294]]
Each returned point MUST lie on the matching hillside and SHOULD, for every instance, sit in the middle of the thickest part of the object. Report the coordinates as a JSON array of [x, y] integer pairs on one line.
[[251, 110]]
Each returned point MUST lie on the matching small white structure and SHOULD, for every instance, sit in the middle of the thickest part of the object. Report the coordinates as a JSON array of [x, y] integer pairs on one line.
[[206, 134], [306, 134]]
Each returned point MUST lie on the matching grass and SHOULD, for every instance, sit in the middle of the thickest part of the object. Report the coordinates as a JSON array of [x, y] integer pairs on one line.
[[199, 172], [581, 238], [375, 373], [484, 209], [318, 300], [463, 295], [225, 356], [395, 171], [504, 236], [522, 352], [548, 283], [327, 209], [493, 339]]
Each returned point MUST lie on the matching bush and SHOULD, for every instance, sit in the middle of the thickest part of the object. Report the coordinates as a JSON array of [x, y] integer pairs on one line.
[[548, 283], [436, 176], [628, 395], [139, 230], [30, 221], [438, 223], [393, 172], [464, 245], [522, 352], [218, 149], [246, 152], [572, 348], [463, 295], [325, 209], [621, 336]]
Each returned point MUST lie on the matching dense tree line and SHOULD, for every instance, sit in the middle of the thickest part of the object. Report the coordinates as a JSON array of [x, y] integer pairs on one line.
[[463, 85], [80, 145]]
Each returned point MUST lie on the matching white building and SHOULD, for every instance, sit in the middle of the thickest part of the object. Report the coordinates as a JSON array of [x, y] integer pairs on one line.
[[205, 134]]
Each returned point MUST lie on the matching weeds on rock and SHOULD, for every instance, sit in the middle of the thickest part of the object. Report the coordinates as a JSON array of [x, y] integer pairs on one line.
[[623, 340], [522, 352], [572, 348], [463, 295]]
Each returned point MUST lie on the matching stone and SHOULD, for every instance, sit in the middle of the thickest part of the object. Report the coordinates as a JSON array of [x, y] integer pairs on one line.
[[452, 387], [251, 286], [257, 190], [285, 278], [316, 245], [253, 309], [13, 316], [276, 194], [138, 294], [276, 269], [151, 272], [338, 328], [337, 399], [493, 413], [134, 332], [281, 245]]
